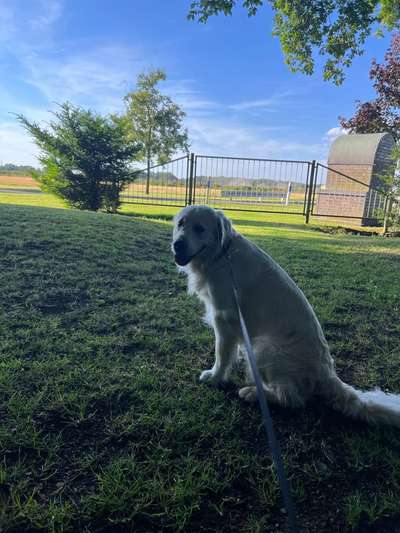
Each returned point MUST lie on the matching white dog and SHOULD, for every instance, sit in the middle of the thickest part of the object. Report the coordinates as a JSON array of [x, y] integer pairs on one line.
[[292, 353]]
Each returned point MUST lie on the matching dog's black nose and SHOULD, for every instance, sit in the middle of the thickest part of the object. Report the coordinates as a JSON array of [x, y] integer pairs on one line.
[[179, 246]]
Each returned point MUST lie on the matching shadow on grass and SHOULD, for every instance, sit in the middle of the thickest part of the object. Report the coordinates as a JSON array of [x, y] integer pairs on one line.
[[235, 220], [299, 225], [269, 223], [145, 216]]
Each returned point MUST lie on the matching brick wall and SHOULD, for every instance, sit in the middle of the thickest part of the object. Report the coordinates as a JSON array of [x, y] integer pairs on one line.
[[341, 196], [361, 173], [340, 204]]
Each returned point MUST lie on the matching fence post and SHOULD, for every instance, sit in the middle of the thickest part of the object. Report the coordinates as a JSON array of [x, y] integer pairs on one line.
[[208, 190], [310, 191], [387, 212], [289, 189], [191, 179], [148, 177]]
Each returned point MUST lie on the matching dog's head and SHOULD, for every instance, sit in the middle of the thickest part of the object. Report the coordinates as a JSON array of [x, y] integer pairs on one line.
[[200, 234]]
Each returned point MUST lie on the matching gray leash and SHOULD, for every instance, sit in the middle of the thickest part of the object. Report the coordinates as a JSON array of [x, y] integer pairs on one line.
[[273, 442]]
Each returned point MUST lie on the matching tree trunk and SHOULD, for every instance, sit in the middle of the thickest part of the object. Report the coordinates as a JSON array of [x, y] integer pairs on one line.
[[148, 175]]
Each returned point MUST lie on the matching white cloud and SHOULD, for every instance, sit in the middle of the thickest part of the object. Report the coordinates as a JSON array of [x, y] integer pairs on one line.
[[272, 103], [229, 138], [184, 93], [266, 103], [49, 12], [334, 133], [212, 128], [28, 25], [97, 78]]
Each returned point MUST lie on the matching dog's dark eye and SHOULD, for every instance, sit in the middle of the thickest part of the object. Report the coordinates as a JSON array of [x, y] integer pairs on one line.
[[198, 229], [181, 222]]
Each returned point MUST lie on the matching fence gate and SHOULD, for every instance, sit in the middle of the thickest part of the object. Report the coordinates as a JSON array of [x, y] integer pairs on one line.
[[267, 185], [305, 188], [244, 184], [164, 184]]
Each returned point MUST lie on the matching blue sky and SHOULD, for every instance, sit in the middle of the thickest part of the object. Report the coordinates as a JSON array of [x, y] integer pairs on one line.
[[229, 75]]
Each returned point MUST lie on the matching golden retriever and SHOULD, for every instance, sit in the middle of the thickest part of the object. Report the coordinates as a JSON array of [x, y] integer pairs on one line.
[[292, 353]]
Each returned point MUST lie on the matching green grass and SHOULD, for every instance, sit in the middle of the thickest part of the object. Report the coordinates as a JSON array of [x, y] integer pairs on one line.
[[35, 200], [104, 425], [165, 212]]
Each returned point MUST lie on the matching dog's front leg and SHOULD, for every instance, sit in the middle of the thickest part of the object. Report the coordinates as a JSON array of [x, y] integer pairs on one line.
[[225, 343]]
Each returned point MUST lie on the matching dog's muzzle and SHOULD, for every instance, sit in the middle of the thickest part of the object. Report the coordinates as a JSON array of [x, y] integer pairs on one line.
[[180, 255]]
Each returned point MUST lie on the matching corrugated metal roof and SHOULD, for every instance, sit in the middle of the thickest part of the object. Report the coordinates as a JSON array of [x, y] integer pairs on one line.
[[358, 148]]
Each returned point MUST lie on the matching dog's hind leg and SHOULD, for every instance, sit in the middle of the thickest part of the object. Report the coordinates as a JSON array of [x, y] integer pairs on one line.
[[278, 395], [249, 394]]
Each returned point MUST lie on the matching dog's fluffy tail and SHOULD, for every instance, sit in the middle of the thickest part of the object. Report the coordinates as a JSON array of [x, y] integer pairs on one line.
[[375, 407]]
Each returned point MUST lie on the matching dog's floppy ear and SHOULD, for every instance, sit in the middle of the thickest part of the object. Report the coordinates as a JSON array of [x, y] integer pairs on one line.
[[224, 229]]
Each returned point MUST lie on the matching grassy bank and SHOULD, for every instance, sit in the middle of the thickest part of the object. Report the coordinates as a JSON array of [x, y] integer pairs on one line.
[[104, 426]]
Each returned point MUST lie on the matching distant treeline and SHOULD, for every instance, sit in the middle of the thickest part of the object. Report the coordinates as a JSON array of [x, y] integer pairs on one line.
[[235, 183], [168, 178], [16, 170], [155, 177]]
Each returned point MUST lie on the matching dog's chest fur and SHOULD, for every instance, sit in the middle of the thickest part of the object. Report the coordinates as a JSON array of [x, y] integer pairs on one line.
[[197, 284]]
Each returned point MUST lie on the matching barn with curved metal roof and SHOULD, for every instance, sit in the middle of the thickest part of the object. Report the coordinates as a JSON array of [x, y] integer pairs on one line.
[[356, 163]]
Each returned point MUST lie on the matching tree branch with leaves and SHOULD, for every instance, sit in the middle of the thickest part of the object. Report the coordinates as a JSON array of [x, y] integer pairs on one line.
[[336, 29], [382, 113]]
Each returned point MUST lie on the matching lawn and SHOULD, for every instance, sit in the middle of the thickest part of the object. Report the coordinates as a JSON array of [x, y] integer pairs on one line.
[[104, 425]]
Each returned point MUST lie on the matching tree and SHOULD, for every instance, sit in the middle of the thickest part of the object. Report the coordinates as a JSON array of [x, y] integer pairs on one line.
[[84, 156], [335, 28], [391, 181], [155, 120], [17, 170], [383, 113]]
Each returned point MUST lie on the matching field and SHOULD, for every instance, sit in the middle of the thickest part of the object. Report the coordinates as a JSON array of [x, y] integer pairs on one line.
[[17, 182], [104, 425], [176, 194]]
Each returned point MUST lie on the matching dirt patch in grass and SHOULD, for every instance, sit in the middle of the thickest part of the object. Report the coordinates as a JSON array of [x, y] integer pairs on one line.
[[342, 230]]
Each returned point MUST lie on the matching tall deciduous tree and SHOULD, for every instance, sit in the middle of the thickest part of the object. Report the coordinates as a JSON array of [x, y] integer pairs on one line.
[[155, 120], [334, 28], [383, 113], [85, 157]]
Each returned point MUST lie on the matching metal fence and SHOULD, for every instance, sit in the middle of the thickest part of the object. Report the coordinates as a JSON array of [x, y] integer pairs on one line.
[[306, 188], [165, 184], [267, 185], [336, 195], [274, 186]]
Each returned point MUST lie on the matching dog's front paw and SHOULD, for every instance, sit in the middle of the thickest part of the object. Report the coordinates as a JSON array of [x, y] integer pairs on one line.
[[210, 377], [248, 394]]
